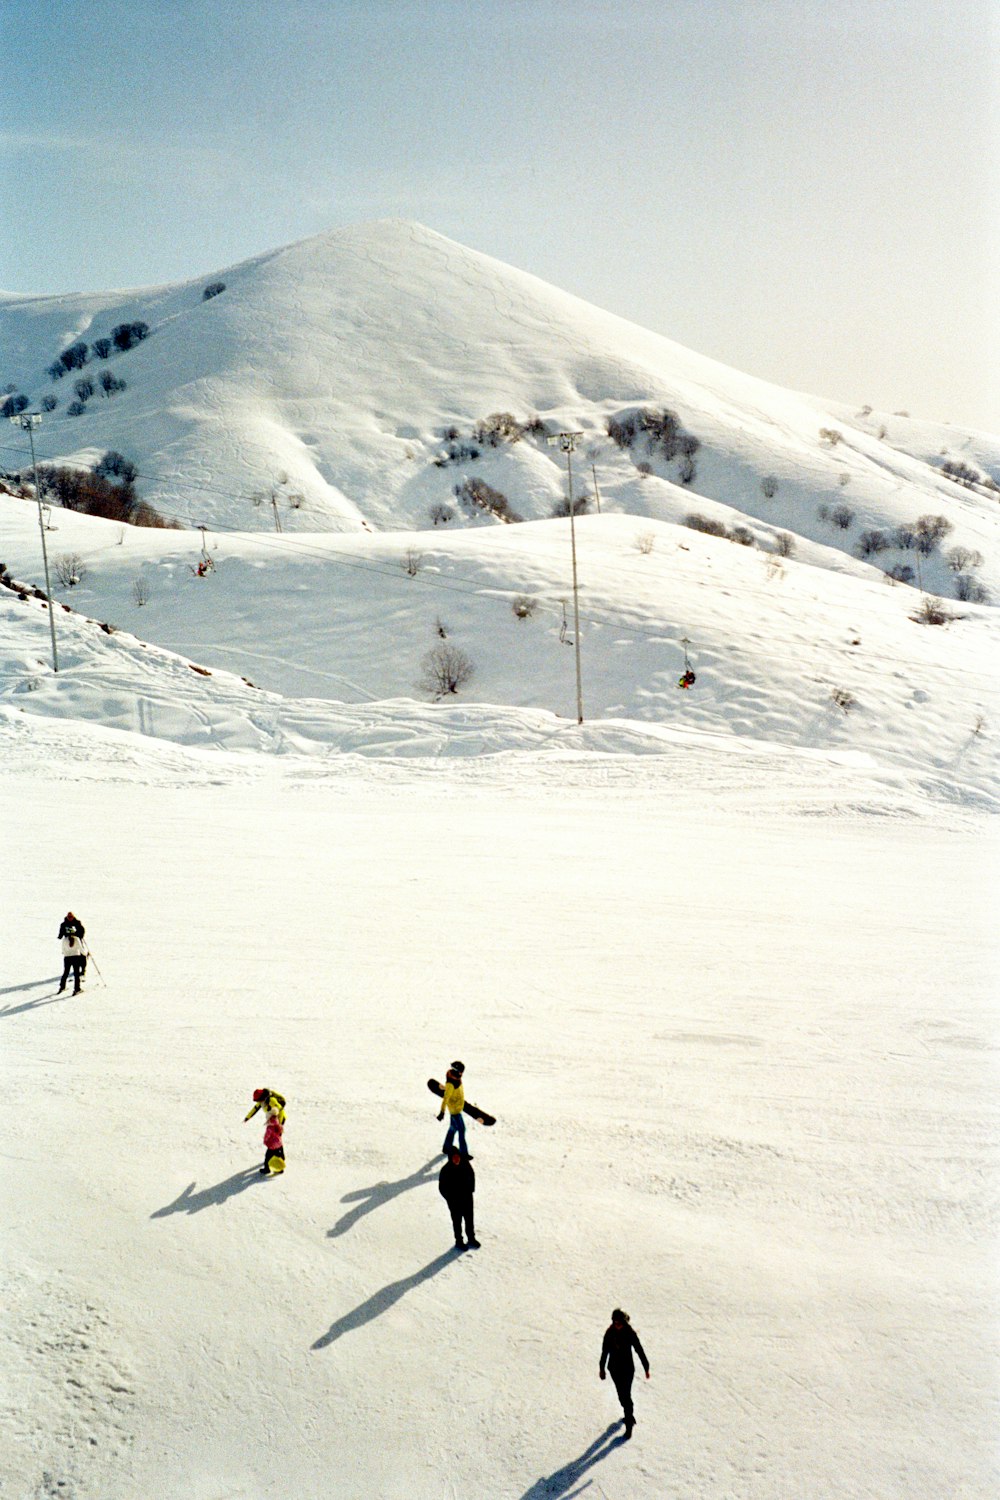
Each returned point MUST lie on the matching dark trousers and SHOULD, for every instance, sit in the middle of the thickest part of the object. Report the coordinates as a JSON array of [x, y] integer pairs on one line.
[[269, 1154], [623, 1385], [72, 964], [460, 1211]]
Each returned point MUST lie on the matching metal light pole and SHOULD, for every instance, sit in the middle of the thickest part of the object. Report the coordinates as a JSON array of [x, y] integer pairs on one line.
[[29, 421], [567, 442], [597, 493]]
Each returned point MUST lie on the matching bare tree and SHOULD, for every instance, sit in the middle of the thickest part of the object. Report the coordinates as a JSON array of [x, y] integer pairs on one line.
[[70, 569], [140, 589], [963, 559], [933, 612], [970, 590], [444, 669], [929, 531]]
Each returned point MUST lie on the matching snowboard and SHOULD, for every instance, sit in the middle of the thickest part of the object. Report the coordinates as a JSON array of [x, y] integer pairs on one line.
[[472, 1110]]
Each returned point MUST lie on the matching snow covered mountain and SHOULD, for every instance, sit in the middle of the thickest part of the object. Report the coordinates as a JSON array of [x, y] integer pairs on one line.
[[347, 383], [349, 377]]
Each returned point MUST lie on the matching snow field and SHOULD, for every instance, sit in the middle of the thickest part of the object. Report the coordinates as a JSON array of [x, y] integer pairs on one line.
[[744, 1076]]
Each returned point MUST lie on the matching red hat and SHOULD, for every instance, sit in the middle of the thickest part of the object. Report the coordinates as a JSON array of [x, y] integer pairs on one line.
[[260, 1093]]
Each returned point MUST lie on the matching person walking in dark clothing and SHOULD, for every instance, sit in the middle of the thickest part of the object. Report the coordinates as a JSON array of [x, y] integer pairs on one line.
[[616, 1352], [74, 954], [457, 1184]]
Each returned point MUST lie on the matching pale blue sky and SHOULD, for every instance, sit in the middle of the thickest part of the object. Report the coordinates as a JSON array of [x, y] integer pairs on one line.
[[808, 191]]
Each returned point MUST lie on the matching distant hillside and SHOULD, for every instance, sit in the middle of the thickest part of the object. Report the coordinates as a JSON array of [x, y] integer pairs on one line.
[[383, 377]]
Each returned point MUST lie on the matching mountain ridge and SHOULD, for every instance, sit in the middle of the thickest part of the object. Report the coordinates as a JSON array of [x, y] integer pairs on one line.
[[340, 362]]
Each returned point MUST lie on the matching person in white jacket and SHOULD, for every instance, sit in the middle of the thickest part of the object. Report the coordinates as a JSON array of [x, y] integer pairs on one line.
[[74, 957]]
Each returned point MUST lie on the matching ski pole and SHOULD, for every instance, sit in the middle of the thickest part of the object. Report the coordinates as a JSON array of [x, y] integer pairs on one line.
[[92, 960]]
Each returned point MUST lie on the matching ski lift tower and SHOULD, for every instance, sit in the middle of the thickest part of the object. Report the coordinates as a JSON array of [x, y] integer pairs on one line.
[[29, 421], [567, 442]]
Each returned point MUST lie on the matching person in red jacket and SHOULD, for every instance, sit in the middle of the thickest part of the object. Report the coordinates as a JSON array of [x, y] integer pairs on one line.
[[273, 1105], [274, 1151], [616, 1352]]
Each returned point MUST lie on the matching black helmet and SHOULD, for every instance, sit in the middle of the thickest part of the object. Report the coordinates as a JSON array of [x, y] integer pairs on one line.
[[458, 1067]]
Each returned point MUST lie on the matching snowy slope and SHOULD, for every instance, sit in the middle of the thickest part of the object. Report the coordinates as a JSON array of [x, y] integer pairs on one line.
[[339, 363], [776, 644], [738, 1027]]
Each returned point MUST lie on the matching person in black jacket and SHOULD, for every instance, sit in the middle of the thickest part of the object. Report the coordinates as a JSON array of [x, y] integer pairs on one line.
[[456, 1184], [71, 931], [616, 1352]]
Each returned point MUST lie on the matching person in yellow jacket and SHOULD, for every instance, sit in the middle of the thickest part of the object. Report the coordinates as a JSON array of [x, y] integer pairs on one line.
[[273, 1105], [271, 1102], [452, 1104]]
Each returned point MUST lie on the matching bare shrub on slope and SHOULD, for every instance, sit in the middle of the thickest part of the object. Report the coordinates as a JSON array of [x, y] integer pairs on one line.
[[70, 569], [444, 669], [476, 494]]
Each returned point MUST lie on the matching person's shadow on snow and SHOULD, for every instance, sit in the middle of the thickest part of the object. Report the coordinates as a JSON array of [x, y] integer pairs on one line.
[[16, 1010], [191, 1202], [381, 1301], [33, 984], [19, 989], [374, 1197], [560, 1483]]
